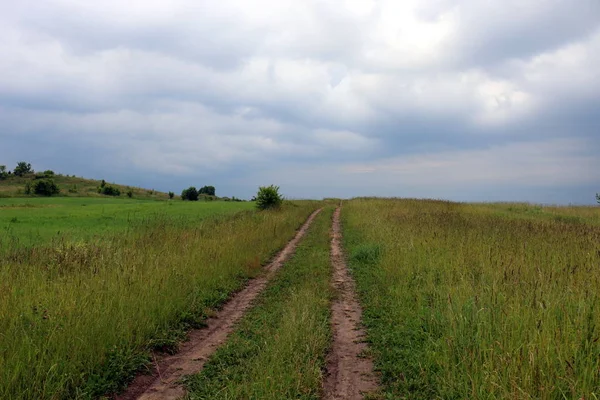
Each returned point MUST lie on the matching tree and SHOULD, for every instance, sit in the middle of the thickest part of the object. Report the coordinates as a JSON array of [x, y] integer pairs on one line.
[[268, 197], [171, 195], [208, 190], [23, 168], [190, 194], [598, 197], [3, 173]]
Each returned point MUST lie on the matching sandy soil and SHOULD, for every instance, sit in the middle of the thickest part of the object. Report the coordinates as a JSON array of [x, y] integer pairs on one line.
[[349, 373], [164, 382]]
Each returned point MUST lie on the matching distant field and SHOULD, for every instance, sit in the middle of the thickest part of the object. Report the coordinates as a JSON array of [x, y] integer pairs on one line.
[[479, 301], [27, 221]]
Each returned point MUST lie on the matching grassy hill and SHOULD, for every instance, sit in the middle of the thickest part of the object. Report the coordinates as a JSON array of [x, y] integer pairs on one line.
[[72, 186]]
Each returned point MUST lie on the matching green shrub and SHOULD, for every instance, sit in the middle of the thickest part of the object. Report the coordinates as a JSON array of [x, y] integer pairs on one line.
[[268, 197], [171, 195], [109, 190], [42, 175], [73, 189], [130, 193], [190, 194], [44, 187], [3, 172]]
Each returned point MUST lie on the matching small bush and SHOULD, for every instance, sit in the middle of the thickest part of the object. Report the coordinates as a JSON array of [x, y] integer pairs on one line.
[[43, 175], [130, 193], [268, 197], [171, 195], [44, 187], [73, 189], [190, 194]]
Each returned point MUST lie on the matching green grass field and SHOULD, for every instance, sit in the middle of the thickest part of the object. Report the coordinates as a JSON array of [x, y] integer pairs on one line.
[[28, 221], [77, 318], [479, 301]]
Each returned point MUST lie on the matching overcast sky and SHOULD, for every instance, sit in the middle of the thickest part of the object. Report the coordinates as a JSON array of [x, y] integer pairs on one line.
[[456, 99]]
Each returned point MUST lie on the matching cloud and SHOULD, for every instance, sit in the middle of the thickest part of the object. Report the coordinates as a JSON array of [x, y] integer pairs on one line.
[[476, 93]]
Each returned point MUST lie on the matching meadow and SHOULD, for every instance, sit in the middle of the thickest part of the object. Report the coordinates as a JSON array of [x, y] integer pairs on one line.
[[79, 317], [34, 220], [479, 301]]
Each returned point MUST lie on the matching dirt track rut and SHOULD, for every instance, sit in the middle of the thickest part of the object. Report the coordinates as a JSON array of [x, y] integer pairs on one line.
[[349, 373], [164, 382]]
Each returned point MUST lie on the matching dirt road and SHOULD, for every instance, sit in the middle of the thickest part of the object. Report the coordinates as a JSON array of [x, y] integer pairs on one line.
[[164, 383], [349, 373]]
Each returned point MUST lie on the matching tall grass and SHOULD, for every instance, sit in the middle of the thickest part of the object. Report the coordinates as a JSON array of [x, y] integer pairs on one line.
[[76, 319], [464, 301], [278, 350]]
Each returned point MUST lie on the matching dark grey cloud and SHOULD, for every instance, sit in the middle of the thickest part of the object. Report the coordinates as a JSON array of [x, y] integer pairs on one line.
[[325, 98]]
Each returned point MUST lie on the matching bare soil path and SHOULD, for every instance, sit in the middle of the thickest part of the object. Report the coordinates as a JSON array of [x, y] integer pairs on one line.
[[164, 383], [349, 372]]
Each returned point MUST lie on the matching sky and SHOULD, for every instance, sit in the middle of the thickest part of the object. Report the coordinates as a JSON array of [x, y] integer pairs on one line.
[[467, 100]]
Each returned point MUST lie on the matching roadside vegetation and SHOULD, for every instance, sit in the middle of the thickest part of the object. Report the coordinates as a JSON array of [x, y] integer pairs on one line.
[[268, 197], [78, 318], [278, 350], [478, 301]]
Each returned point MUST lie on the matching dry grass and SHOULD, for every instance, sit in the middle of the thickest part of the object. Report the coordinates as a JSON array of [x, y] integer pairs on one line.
[[479, 301]]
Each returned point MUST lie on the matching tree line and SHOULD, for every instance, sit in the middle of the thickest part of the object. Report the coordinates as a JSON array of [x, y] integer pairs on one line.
[[193, 194]]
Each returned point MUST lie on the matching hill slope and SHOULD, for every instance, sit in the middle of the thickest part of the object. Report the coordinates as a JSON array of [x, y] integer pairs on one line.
[[72, 186]]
